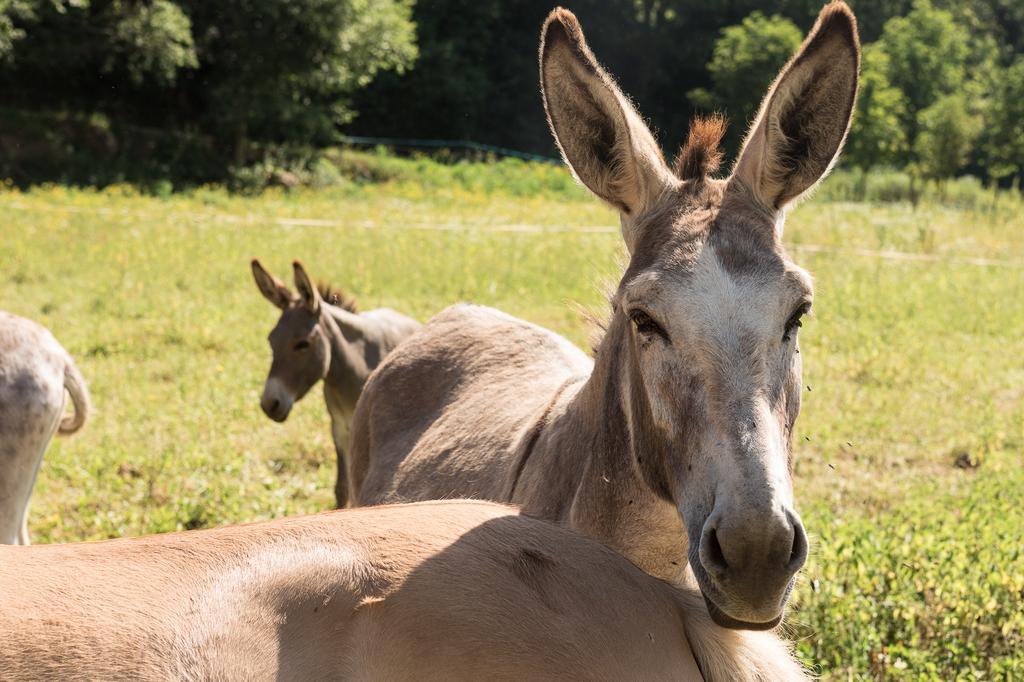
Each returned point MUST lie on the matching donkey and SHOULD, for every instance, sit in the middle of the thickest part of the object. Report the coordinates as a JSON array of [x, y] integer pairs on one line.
[[35, 372], [321, 335], [456, 590], [674, 445]]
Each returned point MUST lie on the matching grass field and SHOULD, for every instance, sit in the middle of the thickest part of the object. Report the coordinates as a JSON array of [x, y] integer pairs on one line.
[[911, 362]]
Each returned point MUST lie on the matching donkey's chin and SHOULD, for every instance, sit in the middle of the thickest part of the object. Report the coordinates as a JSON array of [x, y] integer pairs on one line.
[[712, 599], [724, 620]]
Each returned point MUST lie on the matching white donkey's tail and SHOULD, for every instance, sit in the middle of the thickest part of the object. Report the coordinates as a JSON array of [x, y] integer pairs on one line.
[[75, 385]]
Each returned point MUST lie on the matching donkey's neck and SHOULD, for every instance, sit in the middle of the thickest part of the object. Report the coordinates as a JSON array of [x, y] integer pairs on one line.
[[348, 335], [609, 494]]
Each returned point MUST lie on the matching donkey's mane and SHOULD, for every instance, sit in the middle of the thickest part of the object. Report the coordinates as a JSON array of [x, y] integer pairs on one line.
[[701, 155], [335, 296]]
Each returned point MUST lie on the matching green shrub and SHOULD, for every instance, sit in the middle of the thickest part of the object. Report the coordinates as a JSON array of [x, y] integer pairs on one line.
[[509, 176], [887, 185], [931, 589]]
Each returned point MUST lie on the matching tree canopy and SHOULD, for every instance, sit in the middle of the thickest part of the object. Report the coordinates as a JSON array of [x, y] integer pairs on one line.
[[745, 58], [941, 88], [273, 71]]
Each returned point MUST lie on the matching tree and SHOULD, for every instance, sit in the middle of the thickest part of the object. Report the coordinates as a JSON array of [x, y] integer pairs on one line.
[[10, 33], [927, 51], [476, 77], [877, 136], [1002, 21], [745, 60], [93, 47], [285, 70], [873, 14], [1003, 136], [947, 133], [151, 39], [292, 71]]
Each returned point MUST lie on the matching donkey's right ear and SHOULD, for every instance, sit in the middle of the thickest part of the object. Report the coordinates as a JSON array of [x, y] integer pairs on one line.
[[601, 136], [271, 287]]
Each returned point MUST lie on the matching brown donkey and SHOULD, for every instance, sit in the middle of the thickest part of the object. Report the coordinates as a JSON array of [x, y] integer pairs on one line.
[[432, 591], [320, 335], [673, 446], [35, 375]]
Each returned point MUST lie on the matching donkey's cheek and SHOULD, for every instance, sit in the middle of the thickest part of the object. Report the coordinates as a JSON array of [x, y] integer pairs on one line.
[[662, 390]]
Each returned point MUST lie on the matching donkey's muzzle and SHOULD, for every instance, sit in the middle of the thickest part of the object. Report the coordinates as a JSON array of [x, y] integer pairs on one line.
[[275, 409], [749, 564]]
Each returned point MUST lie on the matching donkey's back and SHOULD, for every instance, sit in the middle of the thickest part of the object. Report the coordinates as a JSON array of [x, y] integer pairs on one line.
[[391, 327], [451, 391], [432, 591]]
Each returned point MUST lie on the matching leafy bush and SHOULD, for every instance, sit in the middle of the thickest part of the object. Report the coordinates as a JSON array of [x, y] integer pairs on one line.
[[929, 590], [506, 176], [887, 185], [94, 150], [947, 134]]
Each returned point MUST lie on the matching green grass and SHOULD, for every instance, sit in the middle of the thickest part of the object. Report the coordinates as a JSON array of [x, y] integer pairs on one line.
[[916, 570]]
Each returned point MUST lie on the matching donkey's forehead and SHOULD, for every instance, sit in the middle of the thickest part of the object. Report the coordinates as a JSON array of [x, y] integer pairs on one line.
[[295, 320], [711, 213], [720, 272], [677, 246]]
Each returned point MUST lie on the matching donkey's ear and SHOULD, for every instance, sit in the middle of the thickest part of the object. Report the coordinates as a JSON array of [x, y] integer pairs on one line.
[[806, 114], [600, 135], [271, 287], [309, 294]]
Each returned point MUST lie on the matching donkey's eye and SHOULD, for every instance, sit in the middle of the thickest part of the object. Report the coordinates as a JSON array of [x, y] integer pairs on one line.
[[645, 324], [302, 345], [795, 321]]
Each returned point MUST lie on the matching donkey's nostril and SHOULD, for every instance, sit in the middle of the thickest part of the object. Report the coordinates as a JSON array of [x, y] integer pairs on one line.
[[714, 558], [271, 407], [798, 554]]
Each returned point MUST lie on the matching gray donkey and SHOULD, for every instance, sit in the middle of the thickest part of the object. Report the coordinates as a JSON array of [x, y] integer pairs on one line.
[[321, 335], [35, 371], [674, 445]]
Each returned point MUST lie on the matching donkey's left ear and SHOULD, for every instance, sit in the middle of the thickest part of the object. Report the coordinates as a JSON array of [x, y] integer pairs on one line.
[[310, 294], [806, 114]]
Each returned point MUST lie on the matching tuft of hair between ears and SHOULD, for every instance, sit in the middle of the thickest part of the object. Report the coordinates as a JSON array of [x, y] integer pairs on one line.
[[337, 297], [701, 156]]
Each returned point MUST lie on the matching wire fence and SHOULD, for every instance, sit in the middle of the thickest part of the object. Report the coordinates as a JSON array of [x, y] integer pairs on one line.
[[413, 143], [189, 136]]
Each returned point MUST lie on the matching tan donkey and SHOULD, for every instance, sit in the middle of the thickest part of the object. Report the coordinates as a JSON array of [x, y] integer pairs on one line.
[[674, 445], [432, 591], [321, 335], [35, 375]]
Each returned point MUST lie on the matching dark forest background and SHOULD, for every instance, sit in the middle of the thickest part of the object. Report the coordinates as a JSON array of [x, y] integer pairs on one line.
[[99, 91]]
